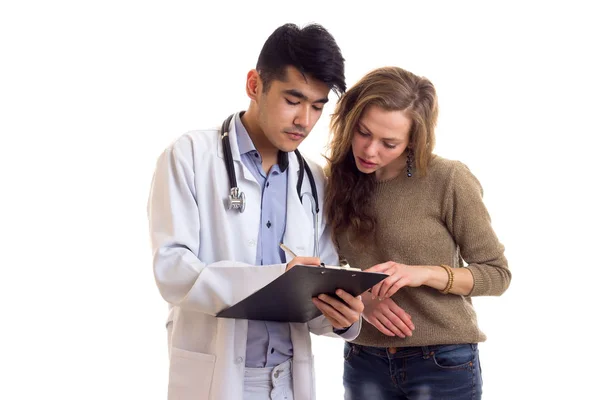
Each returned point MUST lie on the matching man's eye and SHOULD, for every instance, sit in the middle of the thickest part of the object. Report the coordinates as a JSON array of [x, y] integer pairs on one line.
[[291, 103]]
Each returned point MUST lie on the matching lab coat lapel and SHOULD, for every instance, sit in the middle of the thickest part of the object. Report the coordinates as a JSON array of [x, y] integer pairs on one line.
[[248, 221], [298, 234]]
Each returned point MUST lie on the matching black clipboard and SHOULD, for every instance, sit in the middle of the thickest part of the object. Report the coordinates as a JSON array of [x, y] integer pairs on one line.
[[289, 297]]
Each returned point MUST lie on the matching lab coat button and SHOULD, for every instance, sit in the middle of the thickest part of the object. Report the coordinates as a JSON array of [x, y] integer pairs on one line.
[[239, 360]]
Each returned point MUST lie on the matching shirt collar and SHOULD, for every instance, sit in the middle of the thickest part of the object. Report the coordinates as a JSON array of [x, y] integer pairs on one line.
[[245, 144]]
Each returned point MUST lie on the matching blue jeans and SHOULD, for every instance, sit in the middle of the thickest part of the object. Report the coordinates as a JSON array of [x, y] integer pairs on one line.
[[439, 372]]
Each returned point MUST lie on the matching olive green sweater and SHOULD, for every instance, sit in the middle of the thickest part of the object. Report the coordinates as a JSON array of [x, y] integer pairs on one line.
[[439, 218]]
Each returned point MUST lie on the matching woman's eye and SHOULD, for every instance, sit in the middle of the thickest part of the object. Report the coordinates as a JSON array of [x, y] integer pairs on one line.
[[389, 146]]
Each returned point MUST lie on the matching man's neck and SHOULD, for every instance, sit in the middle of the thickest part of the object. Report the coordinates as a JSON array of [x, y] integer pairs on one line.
[[267, 151]]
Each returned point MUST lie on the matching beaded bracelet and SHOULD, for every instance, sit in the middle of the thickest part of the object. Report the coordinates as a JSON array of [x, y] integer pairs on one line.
[[450, 279]]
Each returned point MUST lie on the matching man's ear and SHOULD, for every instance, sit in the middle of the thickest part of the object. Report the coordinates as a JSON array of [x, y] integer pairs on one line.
[[253, 84]]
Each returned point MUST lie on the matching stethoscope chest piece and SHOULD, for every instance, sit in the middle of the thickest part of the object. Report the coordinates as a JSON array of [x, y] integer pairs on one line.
[[237, 199]]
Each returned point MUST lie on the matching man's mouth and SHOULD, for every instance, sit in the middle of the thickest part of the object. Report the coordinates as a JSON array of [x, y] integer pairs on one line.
[[295, 135]]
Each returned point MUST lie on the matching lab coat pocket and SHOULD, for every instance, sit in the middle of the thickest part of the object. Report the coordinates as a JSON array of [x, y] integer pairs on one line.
[[190, 374]]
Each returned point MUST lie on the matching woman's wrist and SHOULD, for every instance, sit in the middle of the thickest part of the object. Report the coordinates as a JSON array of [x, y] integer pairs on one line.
[[438, 277]]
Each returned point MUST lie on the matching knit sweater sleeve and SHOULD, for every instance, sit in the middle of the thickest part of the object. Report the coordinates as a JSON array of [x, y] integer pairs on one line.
[[469, 222]]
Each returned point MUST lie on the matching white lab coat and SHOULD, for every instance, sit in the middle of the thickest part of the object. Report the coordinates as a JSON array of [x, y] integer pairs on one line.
[[204, 259]]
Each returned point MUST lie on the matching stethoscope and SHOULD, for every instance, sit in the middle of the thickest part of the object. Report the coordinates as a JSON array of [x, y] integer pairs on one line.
[[237, 199]]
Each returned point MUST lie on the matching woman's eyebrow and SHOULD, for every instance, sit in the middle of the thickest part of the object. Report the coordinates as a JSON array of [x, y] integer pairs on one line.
[[390, 139]]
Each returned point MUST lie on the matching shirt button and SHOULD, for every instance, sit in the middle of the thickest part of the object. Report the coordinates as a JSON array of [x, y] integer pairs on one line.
[[268, 224], [267, 184], [239, 360], [272, 350]]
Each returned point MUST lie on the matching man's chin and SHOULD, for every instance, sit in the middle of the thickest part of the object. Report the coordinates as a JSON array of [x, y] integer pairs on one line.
[[289, 146]]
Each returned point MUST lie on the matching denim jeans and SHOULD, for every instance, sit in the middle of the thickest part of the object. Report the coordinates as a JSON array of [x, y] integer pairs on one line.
[[438, 372]]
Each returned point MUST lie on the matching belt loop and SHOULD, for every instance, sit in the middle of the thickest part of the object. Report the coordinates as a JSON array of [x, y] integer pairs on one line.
[[426, 352]]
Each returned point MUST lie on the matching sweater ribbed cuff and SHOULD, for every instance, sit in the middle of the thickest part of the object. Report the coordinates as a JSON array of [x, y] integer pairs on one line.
[[479, 283]]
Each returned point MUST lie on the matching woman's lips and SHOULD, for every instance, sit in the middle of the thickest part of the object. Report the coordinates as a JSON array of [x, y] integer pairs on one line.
[[365, 163]]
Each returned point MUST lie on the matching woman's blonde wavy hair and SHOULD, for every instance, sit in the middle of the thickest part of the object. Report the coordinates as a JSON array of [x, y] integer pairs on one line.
[[348, 197]]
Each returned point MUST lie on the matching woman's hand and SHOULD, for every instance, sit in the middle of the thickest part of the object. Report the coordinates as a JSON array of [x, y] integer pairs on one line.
[[389, 318], [400, 275]]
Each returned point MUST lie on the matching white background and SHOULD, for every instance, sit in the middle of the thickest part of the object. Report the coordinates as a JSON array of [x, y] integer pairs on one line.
[[91, 92]]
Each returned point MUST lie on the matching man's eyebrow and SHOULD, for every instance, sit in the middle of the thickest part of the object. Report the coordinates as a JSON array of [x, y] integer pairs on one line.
[[300, 95]]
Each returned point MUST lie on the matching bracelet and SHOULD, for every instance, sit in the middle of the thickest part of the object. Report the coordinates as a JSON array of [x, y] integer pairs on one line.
[[450, 279]]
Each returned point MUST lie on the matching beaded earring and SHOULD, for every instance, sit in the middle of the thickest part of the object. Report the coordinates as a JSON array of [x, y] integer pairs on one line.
[[409, 162]]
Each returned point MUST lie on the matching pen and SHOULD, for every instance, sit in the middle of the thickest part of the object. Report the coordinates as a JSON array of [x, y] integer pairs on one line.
[[287, 250], [291, 253]]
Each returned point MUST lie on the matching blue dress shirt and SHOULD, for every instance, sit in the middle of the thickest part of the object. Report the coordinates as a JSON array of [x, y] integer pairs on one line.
[[269, 343]]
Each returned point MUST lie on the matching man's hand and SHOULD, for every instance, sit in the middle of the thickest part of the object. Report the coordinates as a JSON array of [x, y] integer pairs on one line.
[[304, 261], [340, 314], [387, 317]]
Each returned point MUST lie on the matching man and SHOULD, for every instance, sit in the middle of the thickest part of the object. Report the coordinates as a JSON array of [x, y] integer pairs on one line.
[[208, 254]]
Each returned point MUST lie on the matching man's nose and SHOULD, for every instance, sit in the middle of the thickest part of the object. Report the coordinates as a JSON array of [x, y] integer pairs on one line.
[[303, 116]]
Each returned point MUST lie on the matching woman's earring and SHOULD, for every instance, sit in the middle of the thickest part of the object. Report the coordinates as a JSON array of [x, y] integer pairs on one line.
[[409, 162]]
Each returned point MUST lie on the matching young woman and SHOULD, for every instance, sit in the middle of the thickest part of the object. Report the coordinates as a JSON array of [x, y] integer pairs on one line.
[[397, 208]]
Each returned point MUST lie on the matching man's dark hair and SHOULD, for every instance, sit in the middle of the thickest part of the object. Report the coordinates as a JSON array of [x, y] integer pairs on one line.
[[312, 50]]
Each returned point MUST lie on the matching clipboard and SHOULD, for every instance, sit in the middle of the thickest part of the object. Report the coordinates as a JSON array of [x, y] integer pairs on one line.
[[289, 297]]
